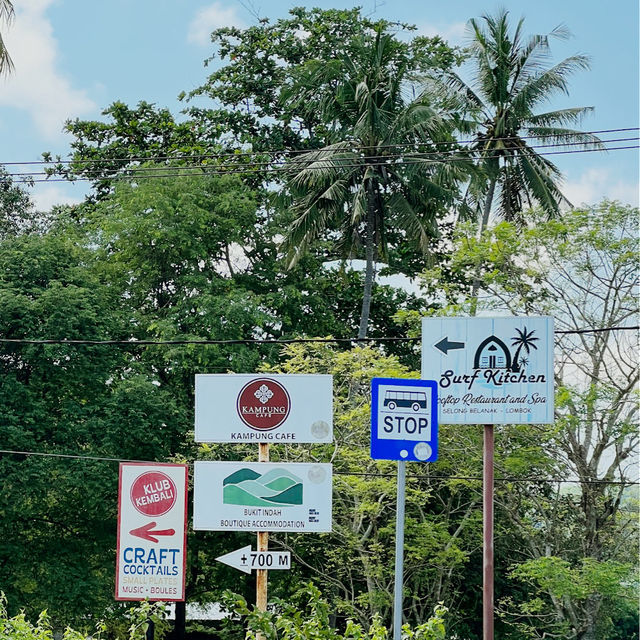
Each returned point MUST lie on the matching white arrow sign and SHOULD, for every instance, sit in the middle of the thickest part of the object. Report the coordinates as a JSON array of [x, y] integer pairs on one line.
[[246, 560]]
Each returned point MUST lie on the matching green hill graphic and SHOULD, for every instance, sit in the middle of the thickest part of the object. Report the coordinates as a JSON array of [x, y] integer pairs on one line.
[[257, 489], [240, 475], [277, 473], [280, 484], [290, 496], [276, 487], [235, 495]]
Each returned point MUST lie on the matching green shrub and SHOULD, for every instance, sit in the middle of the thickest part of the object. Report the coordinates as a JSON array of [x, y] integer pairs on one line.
[[307, 617]]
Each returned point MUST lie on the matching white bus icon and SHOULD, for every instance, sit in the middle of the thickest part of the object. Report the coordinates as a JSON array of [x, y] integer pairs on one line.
[[415, 400]]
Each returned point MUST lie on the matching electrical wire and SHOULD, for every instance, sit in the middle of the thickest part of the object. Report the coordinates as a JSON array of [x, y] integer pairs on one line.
[[294, 152], [174, 172], [340, 163], [285, 341], [335, 472]]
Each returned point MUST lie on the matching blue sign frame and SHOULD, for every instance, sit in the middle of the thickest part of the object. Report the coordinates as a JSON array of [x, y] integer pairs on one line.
[[410, 408]]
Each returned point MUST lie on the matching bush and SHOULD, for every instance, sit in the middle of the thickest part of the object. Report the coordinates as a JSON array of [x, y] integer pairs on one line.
[[307, 618]]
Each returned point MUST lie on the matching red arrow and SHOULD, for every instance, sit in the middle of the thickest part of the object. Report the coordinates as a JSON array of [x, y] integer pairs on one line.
[[146, 534]]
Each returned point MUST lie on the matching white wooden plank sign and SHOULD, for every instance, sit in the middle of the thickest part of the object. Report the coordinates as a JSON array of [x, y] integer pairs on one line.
[[262, 496], [263, 408], [490, 370]]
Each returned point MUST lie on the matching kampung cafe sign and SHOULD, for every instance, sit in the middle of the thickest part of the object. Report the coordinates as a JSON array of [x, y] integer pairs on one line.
[[152, 515], [263, 496], [490, 370], [263, 408]]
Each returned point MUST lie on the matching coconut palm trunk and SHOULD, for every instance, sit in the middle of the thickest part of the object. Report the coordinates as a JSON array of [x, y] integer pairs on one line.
[[369, 258], [482, 225]]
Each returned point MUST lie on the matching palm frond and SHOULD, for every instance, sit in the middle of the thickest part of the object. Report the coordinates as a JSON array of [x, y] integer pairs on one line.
[[542, 86], [562, 136]]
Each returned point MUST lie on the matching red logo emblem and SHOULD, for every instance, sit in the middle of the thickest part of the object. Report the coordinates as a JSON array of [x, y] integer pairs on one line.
[[263, 404], [153, 493]]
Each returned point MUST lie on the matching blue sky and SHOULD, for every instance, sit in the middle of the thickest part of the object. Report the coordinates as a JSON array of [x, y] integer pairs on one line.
[[75, 57]]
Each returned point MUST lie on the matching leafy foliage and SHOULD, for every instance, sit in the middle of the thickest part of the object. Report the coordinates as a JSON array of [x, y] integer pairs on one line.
[[306, 616]]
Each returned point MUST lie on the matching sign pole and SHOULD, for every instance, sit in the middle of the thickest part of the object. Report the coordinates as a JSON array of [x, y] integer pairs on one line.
[[263, 544], [487, 533], [398, 582]]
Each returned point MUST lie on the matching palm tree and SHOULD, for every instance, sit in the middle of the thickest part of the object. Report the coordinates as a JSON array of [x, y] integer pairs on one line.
[[367, 182], [524, 340], [511, 81], [6, 16]]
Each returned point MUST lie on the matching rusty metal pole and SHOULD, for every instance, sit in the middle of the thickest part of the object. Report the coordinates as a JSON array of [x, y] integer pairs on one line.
[[487, 533], [263, 544]]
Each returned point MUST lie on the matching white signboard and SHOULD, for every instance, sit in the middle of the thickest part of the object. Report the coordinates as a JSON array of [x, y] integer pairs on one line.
[[152, 534], [246, 560], [262, 496], [490, 370], [264, 408]]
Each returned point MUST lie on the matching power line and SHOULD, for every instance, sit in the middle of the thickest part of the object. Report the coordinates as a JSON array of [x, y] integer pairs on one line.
[[208, 171], [295, 152], [335, 472], [283, 341], [342, 162]]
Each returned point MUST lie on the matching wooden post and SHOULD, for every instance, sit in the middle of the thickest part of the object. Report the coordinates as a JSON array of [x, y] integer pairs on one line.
[[487, 533], [263, 545]]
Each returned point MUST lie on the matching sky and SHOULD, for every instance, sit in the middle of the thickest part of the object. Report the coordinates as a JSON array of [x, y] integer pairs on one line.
[[73, 58]]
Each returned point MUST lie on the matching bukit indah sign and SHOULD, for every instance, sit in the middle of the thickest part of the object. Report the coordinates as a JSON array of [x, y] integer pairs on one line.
[[490, 370]]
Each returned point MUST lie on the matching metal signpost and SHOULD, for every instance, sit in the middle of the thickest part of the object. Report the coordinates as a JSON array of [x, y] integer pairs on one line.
[[263, 497], [152, 533], [404, 426], [490, 371]]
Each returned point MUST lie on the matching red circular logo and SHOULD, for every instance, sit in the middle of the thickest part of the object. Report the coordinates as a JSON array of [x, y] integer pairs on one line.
[[263, 404], [153, 493]]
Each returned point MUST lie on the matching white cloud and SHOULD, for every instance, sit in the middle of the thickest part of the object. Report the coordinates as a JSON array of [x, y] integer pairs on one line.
[[37, 85], [598, 183], [454, 33], [210, 18], [46, 196]]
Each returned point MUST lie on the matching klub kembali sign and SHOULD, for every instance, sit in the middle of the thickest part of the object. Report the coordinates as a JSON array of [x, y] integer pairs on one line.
[[152, 515], [490, 370], [258, 408]]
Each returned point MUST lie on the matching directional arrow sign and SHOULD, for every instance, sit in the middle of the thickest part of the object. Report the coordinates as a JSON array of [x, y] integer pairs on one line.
[[146, 532], [152, 531], [445, 346], [246, 560]]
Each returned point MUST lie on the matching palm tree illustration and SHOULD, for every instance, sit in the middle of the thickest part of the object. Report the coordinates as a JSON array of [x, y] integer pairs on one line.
[[524, 340]]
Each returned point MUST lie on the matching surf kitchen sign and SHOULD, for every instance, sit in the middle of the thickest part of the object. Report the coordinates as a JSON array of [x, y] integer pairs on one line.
[[263, 408], [490, 370], [152, 532], [262, 496]]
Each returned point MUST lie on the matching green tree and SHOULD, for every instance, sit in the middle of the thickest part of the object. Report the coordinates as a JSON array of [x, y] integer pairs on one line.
[[56, 523], [582, 271], [249, 90], [356, 184], [277, 94], [353, 565], [511, 79], [17, 212]]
